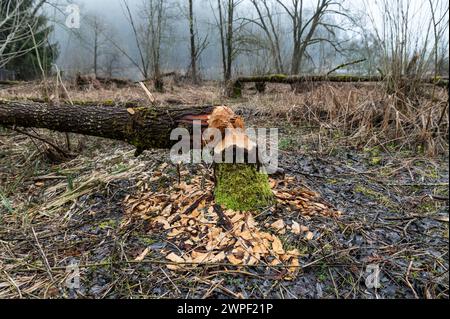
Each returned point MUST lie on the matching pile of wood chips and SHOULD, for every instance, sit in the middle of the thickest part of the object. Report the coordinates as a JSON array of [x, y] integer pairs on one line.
[[206, 234], [301, 199]]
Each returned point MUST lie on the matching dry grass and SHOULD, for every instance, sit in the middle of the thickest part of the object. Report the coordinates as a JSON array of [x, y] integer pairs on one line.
[[364, 115], [186, 94]]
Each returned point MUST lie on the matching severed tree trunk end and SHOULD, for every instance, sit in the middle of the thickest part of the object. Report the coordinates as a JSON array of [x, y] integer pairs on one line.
[[242, 187]]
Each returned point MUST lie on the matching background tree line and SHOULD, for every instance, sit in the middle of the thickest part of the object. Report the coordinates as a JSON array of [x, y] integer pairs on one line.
[[220, 39]]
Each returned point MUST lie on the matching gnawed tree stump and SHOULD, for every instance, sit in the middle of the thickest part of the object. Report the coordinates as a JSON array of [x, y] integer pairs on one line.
[[238, 186]]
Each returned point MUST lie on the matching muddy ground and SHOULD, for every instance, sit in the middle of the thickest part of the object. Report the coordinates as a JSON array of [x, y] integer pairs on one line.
[[394, 216]]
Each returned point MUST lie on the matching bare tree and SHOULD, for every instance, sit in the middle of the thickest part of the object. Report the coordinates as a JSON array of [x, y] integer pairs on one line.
[[265, 20], [17, 24], [408, 37], [193, 47], [304, 25], [148, 36], [98, 40], [197, 44], [229, 26], [111, 62]]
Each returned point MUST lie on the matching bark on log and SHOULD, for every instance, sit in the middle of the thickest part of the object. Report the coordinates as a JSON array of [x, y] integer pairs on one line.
[[143, 127], [236, 86]]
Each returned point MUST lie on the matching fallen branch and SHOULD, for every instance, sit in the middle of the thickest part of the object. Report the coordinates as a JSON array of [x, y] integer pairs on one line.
[[235, 87], [343, 65]]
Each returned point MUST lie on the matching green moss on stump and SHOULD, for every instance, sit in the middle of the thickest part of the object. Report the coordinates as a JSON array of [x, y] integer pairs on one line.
[[241, 187]]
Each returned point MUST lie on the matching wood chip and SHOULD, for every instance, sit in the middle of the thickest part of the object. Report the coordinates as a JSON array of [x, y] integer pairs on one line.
[[277, 246], [278, 225], [295, 228], [309, 235], [175, 258], [142, 255]]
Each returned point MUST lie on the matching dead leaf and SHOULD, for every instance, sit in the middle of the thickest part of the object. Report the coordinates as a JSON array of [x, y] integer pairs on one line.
[[252, 261], [275, 262], [293, 252], [247, 235], [218, 258], [237, 218], [166, 211], [195, 213], [174, 232], [131, 111], [251, 223], [198, 257], [304, 229], [294, 265], [260, 249], [163, 221]]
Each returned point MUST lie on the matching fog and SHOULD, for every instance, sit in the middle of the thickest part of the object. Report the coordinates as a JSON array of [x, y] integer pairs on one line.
[[76, 53]]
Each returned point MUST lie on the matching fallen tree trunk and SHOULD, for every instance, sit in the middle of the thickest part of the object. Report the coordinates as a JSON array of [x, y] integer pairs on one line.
[[236, 86], [239, 186], [96, 81], [142, 127]]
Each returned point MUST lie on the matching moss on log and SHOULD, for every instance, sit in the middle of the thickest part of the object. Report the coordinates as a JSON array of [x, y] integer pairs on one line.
[[242, 187]]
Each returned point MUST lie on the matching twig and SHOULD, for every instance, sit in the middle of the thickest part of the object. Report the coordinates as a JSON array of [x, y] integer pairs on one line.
[[148, 93], [336, 291], [165, 274], [195, 204], [13, 283], [344, 65], [65, 154], [407, 280], [224, 220], [47, 265], [416, 184]]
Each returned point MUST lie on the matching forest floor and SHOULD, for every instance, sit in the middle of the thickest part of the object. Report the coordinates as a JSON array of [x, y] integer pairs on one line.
[[393, 202]]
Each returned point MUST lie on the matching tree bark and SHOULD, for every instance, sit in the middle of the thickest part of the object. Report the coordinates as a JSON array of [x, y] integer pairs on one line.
[[229, 39], [193, 48]]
